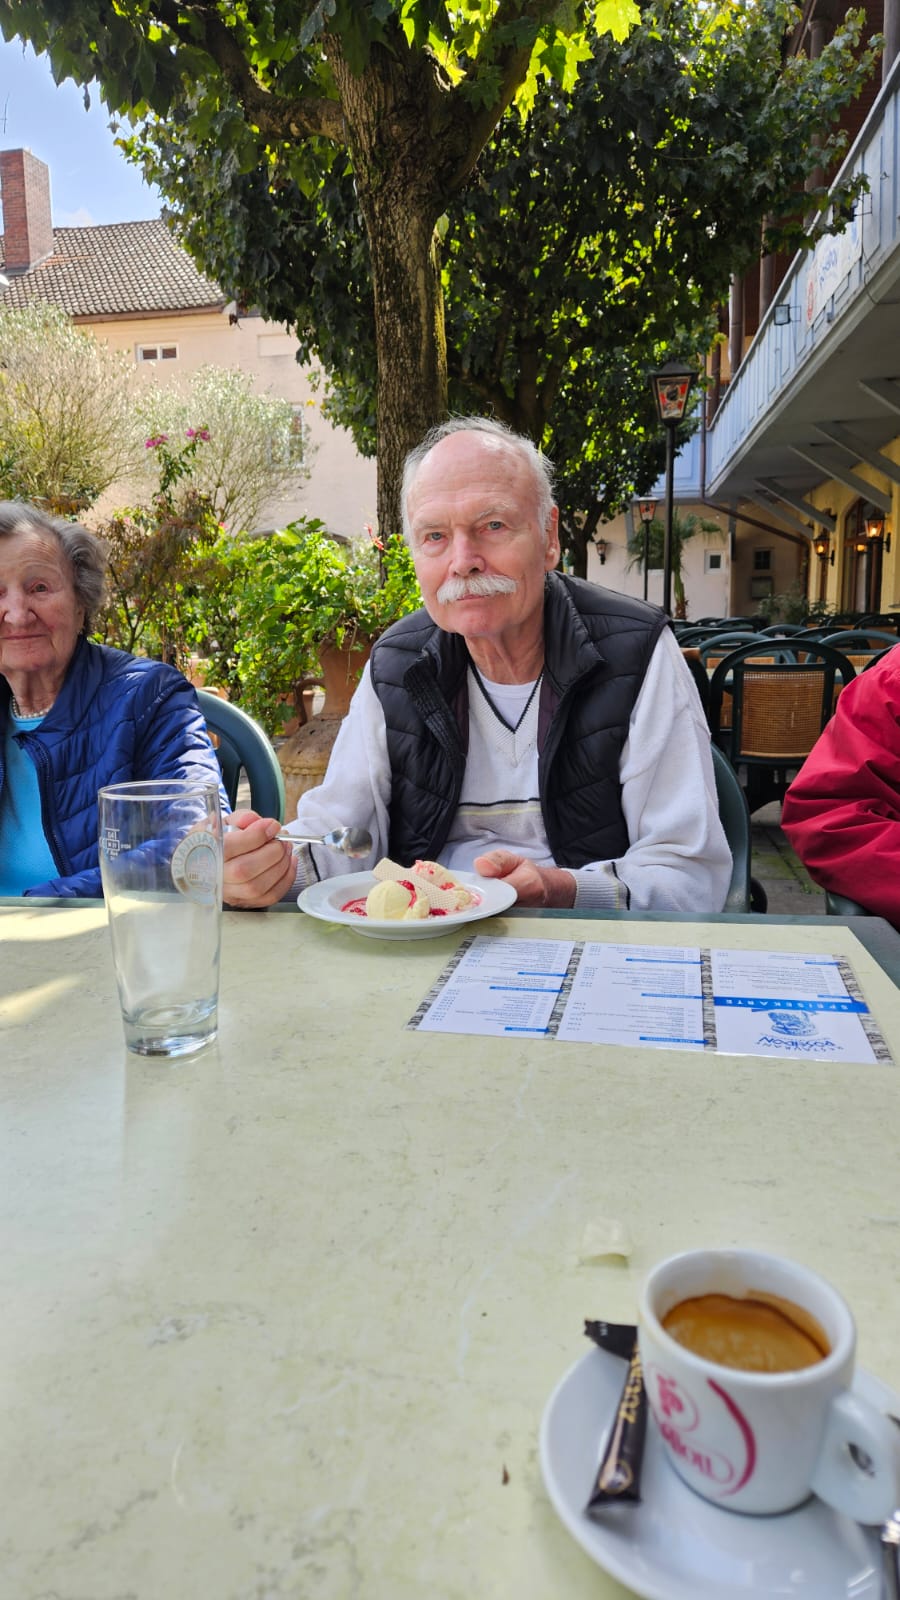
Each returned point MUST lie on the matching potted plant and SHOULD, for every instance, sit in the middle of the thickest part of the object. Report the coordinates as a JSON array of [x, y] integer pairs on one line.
[[310, 608]]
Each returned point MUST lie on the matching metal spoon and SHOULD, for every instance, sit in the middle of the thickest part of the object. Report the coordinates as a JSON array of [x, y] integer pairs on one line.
[[890, 1556], [352, 841]]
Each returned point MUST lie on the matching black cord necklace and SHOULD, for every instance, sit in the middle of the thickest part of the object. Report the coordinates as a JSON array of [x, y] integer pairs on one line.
[[499, 714]]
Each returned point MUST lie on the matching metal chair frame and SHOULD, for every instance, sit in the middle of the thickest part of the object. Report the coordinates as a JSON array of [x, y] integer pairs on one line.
[[861, 637]]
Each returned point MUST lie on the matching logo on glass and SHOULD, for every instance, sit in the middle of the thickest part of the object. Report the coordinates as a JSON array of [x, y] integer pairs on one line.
[[195, 867]]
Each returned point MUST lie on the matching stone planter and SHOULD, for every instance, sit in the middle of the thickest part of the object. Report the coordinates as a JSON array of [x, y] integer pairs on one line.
[[304, 756]]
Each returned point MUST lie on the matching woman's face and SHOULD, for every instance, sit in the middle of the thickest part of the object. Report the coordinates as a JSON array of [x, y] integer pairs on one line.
[[40, 618]]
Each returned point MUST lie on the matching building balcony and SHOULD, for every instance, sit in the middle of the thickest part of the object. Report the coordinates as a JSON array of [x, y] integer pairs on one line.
[[818, 391]]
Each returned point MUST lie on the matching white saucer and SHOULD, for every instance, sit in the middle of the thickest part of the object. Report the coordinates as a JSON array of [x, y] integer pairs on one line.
[[674, 1546], [324, 900]]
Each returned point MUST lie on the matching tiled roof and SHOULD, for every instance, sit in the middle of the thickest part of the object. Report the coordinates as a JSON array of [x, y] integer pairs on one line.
[[114, 270]]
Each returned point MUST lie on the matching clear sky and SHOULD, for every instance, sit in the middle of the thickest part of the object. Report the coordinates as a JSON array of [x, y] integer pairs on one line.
[[90, 180]]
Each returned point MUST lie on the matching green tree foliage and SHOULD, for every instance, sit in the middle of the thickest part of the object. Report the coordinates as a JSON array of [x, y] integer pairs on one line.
[[265, 99], [599, 237], [595, 237], [255, 451], [67, 424]]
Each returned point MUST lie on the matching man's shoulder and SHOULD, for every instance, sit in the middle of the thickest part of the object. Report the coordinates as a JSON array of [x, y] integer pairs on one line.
[[593, 600], [598, 617], [411, 633]]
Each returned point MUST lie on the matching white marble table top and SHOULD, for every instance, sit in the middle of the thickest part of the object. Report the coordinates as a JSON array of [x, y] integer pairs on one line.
[[280, 1320]]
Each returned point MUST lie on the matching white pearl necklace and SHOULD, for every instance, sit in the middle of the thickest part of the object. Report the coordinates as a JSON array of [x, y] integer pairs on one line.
[[26, 716]]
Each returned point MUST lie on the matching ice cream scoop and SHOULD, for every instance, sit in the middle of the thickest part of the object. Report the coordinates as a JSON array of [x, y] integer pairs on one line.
[[396, 900]]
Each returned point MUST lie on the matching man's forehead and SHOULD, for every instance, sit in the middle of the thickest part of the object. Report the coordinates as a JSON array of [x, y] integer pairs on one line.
[[464, 463]]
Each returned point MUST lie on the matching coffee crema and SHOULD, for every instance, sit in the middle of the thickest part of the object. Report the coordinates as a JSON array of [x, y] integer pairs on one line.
[[758, 1332]]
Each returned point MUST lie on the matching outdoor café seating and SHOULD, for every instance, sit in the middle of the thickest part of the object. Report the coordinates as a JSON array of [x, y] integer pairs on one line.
[[766, 715], [861, 645]]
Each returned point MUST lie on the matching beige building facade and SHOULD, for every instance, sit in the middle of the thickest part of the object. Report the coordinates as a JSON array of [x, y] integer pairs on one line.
[[133, 286]]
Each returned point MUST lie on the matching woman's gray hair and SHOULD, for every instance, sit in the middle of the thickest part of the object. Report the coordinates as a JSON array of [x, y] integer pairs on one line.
[[84, 552], [539, 465]]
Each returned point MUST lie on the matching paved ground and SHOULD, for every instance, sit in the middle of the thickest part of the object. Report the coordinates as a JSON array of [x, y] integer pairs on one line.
[[788, 885]]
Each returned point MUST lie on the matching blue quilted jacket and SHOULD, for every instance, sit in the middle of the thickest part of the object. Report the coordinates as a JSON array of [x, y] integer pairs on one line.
[[117, 717]]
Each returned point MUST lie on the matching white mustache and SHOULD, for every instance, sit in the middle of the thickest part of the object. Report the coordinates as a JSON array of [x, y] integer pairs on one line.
[[481, 586]]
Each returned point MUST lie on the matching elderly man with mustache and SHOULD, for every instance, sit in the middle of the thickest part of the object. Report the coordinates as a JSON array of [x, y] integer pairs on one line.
[[524, 724]]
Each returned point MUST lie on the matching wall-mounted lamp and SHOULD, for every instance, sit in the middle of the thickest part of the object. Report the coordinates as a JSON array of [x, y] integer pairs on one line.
[[873, 522], [820, 545], [602, 547], [782, 313]]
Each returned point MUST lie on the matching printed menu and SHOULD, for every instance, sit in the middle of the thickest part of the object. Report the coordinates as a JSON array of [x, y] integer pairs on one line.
[[737, 1002]]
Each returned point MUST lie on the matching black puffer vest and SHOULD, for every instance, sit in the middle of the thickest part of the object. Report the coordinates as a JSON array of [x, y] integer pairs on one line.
[[597, 645]]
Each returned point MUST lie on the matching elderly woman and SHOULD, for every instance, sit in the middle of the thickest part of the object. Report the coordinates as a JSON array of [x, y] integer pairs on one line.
[[73, 715]]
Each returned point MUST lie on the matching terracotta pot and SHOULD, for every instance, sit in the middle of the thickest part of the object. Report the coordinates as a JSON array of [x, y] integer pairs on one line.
[[304, 756]]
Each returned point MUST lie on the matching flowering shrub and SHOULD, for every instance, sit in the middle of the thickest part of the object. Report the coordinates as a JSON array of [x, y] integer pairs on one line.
[[155, 559], [256, 449]]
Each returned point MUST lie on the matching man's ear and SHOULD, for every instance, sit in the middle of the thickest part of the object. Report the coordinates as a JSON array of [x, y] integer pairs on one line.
[[551, 553]]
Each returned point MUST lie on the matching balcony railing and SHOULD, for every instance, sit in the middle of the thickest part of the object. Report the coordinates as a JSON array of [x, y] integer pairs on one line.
[[824, 291]]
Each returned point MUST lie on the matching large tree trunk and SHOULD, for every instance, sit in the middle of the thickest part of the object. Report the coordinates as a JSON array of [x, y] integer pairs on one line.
[[400, 197], [409, 336]]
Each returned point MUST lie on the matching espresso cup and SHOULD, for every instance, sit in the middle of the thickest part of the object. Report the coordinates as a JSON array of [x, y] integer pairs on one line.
[[762, 1441]]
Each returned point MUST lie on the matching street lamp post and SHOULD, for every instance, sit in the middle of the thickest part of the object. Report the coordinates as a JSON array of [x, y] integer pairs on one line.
[[671, 387], [646, 512]]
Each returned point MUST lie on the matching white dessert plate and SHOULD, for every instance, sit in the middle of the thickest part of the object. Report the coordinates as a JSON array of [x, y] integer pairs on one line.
[[672, 1545], [324, 900]]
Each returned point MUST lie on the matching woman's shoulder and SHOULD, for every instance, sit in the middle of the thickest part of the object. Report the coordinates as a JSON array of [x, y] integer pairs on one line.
[[118, 664]]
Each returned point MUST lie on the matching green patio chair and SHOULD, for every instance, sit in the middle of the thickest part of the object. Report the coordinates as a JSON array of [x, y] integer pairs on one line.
[[744, 894], [243, 746]]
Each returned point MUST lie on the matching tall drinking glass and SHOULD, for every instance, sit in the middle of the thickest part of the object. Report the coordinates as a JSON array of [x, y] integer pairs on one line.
[[161, 865]]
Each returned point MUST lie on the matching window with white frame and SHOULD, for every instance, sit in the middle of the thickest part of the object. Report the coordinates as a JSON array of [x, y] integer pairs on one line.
[[156, 352], [712, 561], [289, 448]]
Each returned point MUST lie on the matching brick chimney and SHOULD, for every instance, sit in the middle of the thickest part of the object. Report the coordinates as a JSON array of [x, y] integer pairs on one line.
[[25, 198]]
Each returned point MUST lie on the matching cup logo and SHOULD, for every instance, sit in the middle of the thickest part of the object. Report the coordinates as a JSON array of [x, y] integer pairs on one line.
[[689, 1429], [195, 867]]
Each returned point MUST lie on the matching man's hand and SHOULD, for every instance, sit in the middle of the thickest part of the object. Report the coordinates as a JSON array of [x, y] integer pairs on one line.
[[534, 885], [259, 868]]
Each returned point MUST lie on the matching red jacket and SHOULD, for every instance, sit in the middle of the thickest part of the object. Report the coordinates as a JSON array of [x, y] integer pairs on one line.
[[842, 811]]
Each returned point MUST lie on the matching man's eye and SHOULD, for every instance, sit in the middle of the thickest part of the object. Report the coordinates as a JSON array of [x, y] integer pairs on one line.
[[494, 525]]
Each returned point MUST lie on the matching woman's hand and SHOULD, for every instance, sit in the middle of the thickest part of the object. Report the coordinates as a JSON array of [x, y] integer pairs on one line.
[[534, 885], [259, 868]]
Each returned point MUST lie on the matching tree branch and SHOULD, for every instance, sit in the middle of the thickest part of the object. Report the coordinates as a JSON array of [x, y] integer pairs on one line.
[[276, 118], [476, 123]]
